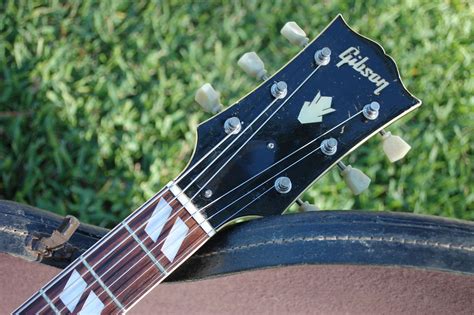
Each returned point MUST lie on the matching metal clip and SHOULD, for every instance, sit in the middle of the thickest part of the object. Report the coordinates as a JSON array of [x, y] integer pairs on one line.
[[46, 245]]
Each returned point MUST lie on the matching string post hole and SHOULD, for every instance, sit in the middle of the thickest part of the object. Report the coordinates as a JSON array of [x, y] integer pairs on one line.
[[329, 146], [283, 185], [322, 56], [371, 111], [279, 89], [232, 125]]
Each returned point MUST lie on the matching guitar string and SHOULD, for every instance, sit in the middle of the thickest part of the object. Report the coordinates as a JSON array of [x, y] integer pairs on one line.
[[202, 172], [267, 179], [228, 205], [118, 226], [278, 162], [190, 250], [151, 286], [154, 198], [139, 210]]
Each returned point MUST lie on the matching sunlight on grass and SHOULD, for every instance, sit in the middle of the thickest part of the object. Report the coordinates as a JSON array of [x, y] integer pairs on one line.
[[97, 109]]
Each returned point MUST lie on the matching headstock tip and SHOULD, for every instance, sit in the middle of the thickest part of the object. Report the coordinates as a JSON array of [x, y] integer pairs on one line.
[[366, 47]]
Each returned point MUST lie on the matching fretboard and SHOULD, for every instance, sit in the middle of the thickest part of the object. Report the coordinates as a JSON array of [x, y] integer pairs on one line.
[[129, 261]]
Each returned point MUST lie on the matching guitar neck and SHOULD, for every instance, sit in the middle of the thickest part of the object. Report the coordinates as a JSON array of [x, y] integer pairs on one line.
[[129, 261]]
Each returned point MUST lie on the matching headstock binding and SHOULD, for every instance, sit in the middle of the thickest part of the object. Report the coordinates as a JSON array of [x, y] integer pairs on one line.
[[350, 91]]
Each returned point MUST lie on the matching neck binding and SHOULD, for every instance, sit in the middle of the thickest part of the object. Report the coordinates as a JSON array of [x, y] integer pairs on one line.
[[129, 261]]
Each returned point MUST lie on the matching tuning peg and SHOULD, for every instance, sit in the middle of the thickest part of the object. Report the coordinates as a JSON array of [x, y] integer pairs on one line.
[[305, 206], [252, 65], [208, 98], [294, 34], [355, 179], [395, 147]]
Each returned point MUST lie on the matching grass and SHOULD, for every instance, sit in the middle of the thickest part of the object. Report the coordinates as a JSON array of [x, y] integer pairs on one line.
[[97, 110]]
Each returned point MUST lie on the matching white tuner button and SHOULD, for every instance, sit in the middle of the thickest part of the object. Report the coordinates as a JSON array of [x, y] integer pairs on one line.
[[208, 98], [395, 147], [252, 65], [355, 179], [294, 34]]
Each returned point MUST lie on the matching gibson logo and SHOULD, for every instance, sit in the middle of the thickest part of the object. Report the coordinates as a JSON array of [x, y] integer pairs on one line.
[[352, 58]]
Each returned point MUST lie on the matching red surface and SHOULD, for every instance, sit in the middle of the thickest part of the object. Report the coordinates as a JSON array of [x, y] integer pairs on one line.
[[288, 290]]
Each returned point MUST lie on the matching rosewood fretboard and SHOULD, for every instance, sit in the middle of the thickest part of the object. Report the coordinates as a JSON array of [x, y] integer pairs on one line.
[[129, 261]]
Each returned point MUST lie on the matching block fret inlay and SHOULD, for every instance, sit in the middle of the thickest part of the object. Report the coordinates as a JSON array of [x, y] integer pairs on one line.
[[92, 306], [158, 219], [174, 239], [129, 261], [73, 290]]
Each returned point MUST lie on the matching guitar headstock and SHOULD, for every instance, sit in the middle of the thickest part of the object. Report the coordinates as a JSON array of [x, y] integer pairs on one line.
[[258, 155]]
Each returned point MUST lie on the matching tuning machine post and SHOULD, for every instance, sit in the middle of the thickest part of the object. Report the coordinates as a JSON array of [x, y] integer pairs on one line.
[[208, 98], [395, 147], [355, 179]]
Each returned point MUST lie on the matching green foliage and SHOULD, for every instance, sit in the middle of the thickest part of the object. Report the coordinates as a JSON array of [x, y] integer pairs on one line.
[[97, 110]]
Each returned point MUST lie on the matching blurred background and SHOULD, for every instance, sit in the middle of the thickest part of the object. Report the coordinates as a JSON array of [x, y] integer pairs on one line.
[[97, 108]]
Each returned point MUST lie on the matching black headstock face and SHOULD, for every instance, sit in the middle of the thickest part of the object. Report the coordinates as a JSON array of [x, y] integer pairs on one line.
[[282, 137]]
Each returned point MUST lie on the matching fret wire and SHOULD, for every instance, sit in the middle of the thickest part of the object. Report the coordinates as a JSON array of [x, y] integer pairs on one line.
[[166, 272], [191, 248], [50, 303], [107, 237], [169, 270], [133, 215], [147, 252], [102, 284]]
